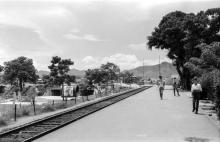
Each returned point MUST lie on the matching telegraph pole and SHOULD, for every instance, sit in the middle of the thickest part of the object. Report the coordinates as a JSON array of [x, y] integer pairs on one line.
[[143, 68], [159, 62]]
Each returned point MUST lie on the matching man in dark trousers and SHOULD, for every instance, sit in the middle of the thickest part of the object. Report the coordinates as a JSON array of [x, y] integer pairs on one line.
[[175, 87], [161, 85], [196, 90]]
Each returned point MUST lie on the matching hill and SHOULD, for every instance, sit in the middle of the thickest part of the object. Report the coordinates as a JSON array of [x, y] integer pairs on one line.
[[79, 73], [167, 69]]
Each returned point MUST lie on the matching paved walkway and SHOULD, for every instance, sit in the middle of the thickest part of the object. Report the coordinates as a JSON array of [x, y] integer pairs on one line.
[[143, 117]]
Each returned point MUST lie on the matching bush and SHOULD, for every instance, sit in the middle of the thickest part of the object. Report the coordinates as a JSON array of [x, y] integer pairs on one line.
[[217, 103], [3, 121], [47, 108], [26, 99], [25, 112], [207, 84], [61, 106]]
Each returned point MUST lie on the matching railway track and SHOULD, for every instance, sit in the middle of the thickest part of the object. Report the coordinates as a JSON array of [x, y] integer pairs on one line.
[[36, 129]]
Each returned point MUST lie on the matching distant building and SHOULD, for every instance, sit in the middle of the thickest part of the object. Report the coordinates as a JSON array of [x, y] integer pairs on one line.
[[175, 76]]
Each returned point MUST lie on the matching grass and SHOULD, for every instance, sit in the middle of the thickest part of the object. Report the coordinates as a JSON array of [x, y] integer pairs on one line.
[[47, 108], [25, 112], [3, 121]]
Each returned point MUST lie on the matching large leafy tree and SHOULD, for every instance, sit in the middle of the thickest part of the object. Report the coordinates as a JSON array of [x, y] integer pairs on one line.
[[95, 75], [107, 72], [111, 71], [21, 70], [180, 33], [1, 68], [59, 69], [128, 77], [207, 68]]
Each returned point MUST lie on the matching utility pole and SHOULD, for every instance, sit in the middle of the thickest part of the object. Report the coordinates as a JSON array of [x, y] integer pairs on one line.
[[143, 70], [159, 62]]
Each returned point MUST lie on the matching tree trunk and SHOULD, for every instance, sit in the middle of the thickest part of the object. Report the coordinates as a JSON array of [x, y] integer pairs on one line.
[[187, 78], [21, 84], [184, 77], [63, 91]]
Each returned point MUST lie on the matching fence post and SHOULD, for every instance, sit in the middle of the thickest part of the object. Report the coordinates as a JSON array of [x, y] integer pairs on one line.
[[15, 111], [34, 106]]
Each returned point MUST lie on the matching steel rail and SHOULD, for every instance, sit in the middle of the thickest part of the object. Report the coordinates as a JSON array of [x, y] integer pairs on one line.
[[41, 127]]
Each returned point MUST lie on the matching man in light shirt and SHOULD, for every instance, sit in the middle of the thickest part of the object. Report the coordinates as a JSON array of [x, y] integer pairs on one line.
[[196, 90]]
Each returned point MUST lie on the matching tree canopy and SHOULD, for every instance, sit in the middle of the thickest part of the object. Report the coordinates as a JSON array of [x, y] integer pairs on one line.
[[20, 69], [112, 71], [180, 33], [107, 72], [128, 77], [59, 69]]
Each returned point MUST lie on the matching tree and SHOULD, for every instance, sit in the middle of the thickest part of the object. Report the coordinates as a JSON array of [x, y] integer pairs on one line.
[[47, 80], [1, 68], [59, 69], [111, 71], [21, 70], [128, 77], [207, 68], [70, 79], [180, 33], [95, 75]]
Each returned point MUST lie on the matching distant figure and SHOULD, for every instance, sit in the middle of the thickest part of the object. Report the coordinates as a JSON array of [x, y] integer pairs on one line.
[[196, 90], [175, 87], [161, 85]]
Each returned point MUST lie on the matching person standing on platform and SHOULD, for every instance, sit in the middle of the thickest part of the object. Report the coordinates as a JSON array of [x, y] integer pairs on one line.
[[161, 85], [175, 87], [196, 90]]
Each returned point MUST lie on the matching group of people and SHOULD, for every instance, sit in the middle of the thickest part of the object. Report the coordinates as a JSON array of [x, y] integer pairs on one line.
[[196, 90]]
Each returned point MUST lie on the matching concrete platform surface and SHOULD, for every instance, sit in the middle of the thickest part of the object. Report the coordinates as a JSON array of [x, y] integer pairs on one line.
[[143, 117]]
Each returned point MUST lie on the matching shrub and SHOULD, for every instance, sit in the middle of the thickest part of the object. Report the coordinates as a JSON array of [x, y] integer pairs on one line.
[[217, 103], [47, 108], [207, 84], [25, 112], [61, 106], [26, 99], [3, 121]]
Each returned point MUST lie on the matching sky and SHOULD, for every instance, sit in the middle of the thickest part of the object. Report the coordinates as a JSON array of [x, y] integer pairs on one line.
[[89, 32]]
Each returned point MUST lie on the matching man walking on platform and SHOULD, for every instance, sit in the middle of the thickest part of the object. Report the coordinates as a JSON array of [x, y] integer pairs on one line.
[[175, 87], [196, 90]]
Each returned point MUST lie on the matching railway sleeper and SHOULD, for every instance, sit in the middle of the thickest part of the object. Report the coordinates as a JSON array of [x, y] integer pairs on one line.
[[51, 123]]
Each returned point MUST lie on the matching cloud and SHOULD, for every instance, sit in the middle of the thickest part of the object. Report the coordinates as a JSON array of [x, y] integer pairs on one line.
[[124, 61], [156, 61], [75, 34], [90, 62], [137, 47]]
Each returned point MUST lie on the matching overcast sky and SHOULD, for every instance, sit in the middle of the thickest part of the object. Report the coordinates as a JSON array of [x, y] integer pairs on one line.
[[90, 32]]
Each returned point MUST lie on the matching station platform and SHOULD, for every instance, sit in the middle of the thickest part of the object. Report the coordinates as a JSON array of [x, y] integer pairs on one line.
[[142, 117]]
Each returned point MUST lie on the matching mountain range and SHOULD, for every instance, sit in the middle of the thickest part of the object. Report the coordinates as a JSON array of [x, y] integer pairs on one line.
[[79, 73], [166, 70], [150, 71]]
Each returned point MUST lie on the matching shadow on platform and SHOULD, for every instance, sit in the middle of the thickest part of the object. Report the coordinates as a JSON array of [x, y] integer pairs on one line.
[[195, 139]]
